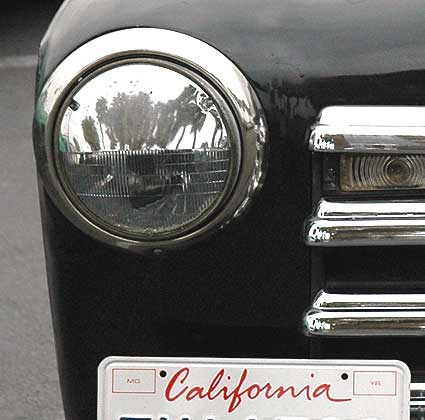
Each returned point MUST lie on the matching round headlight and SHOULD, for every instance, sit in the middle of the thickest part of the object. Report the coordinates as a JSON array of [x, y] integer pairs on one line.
[[148, 139], [147, 151]]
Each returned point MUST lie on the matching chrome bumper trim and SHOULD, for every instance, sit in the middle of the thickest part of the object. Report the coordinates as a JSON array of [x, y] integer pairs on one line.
[[369, 129], [351, 223], [364, 323], [383, 302], [337, 315], [417, 401]]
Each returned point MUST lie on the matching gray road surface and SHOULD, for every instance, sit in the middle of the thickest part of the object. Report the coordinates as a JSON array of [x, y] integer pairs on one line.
[[29, 387]]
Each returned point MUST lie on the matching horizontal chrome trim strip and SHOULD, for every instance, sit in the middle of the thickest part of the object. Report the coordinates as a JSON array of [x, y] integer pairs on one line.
[[369, 129], [338, 301], [349, 210], [411, 116], [417, 401], [364, 323], [351, 223], [349, 315]]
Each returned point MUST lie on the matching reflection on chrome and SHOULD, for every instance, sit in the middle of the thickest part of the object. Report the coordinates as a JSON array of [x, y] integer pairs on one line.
[[369, 129], [145, 148], [417, 399], [372, 301], [366, 223], [364, 323], [361, 315]]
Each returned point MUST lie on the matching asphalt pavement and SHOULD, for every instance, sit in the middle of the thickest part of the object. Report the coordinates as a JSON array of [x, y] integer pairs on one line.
[[29, 386]]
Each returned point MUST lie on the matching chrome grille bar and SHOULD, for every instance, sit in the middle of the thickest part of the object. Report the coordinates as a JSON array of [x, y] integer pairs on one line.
[[384, 302], [351, 223], [362, 323], [346, 315], [369, 129], [417, 401], [337, 314]]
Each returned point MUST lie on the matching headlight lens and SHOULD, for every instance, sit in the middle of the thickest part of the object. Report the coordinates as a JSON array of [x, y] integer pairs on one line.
[[145, 149], [148, 139]]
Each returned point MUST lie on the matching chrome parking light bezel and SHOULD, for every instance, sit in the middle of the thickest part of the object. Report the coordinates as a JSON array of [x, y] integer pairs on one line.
[[369, 129]]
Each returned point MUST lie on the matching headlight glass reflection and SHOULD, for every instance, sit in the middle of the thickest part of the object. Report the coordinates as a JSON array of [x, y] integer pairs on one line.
[[147, 150]]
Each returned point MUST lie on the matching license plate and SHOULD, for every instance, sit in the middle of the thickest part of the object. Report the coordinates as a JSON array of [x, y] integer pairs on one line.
[[252, 389]]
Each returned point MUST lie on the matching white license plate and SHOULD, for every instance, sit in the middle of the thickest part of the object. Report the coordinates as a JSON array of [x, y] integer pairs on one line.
[[245, 389]]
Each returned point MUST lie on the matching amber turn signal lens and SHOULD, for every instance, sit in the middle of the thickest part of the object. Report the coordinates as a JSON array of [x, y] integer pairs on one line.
[[382, 172]]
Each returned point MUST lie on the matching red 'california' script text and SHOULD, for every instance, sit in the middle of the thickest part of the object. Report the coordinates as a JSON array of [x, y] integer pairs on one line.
[[177, 389]]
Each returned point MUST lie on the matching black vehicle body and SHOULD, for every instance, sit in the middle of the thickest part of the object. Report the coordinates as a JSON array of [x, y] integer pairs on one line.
[[242, 291]]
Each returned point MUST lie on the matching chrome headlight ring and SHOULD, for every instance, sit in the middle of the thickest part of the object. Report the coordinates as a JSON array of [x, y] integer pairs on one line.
[[200, 63]]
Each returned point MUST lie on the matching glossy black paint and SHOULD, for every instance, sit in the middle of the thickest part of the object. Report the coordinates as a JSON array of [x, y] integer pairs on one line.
[[241, 292]]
